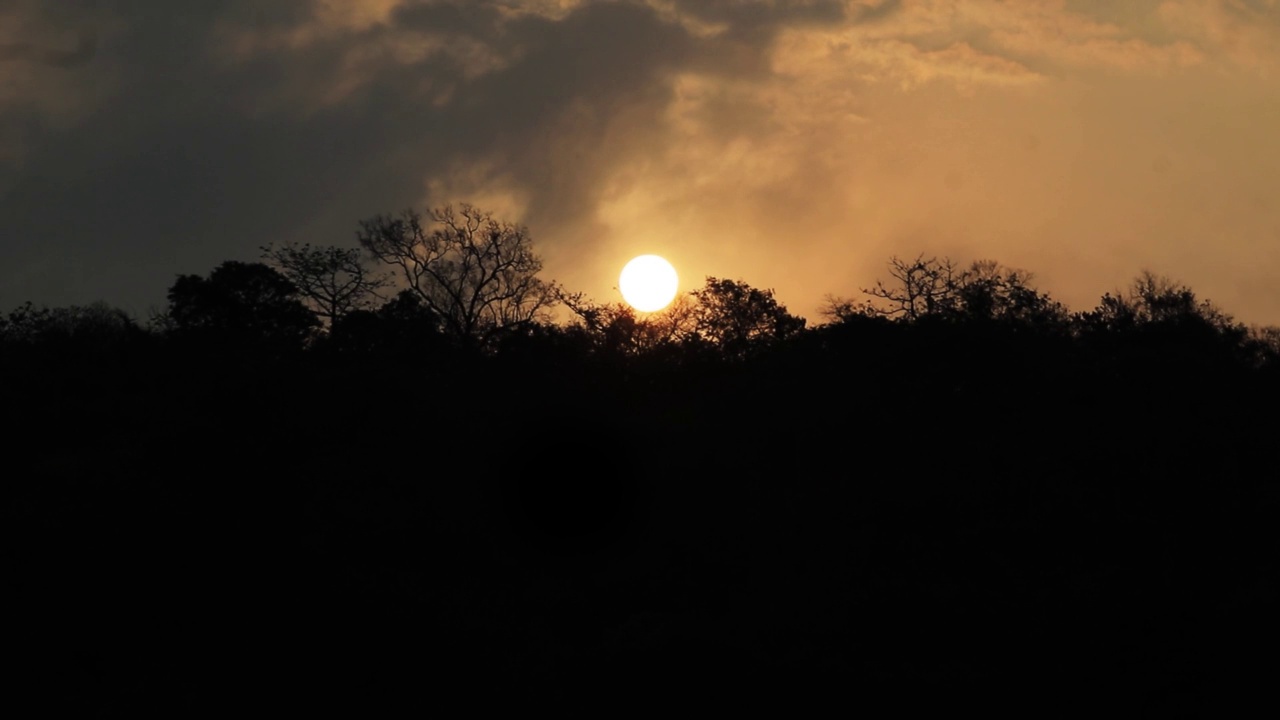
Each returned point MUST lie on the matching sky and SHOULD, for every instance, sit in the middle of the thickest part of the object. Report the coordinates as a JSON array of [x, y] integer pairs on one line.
[[796, 145]]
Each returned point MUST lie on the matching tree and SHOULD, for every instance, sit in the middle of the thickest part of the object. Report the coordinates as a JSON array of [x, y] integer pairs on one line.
[[25, 324], [95, 326], [1159, 323], [240, 303], [941, 289], [403, 326], [919, 288], [738, 318], [840, 310], [990, 291], [478, 274], [616, 328], [334, 280], [1153, 300]]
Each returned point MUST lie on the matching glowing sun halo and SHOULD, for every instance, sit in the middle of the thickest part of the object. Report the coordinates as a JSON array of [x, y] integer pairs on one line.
[[648, 283]]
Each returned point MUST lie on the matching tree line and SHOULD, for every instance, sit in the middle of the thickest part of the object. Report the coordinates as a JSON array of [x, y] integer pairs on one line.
[[415, 460], [464, 280]]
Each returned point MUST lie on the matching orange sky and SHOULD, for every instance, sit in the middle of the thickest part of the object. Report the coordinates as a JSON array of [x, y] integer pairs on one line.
[[794, 145]]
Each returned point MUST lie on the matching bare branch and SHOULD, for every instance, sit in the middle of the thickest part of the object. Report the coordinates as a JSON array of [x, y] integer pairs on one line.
[[334, 281], [477, 273]]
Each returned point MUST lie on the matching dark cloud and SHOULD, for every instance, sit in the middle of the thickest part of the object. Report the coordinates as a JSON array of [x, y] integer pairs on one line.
[[82, 53], [866, 13], [747, 17], [553, 117], [200, 154], [195, 158]]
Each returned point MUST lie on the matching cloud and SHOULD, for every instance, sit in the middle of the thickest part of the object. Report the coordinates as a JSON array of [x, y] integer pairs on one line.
[[793, 144], [54, 57], [1245, 33]]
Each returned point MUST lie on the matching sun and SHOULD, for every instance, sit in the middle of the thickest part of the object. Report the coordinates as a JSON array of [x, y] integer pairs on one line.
[[648, 283]]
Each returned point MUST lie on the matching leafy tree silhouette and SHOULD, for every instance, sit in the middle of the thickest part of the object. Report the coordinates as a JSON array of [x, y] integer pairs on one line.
[[1156, 300], [478, 274], [24, 325], [97, 327], [1264, 346], [1164, 322], [100, 344], [988, 291], [404, 326], [240, 304], [739, 319], [616, 329]]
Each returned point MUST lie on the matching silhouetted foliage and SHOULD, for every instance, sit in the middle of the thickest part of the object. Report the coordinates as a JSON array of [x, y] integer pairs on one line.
[[1162, 324], [24, 325], [404, 326], [1156, 301], [96, 328], [240, 304], [740, 319], [1264, 346], [480, 275], [335, 281], [952, 488], [919, 288], [617, 329], [941, 289], [97, 325], [988, 291]]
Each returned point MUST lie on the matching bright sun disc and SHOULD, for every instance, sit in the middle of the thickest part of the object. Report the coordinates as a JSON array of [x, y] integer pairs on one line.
[[648, 283]]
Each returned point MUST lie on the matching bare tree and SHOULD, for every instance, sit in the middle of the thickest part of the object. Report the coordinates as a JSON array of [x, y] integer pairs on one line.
[[478, 274], [335, 281], [985, 290], [920, 287], [836, 309]]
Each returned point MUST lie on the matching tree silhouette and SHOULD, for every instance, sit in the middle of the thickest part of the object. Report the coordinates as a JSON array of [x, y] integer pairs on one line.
[[737, 318], [1264, 344], [240, 303], [617, 329], [581, 478], [918, 288], [990, 291], [24, 325], [1158, 322], [403, 326], [1155, 300], [478, 274], [940, 288], [95, 327], [334, 280]]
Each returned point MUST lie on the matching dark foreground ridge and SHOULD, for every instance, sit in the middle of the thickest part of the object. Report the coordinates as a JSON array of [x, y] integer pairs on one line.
[[978, 500]]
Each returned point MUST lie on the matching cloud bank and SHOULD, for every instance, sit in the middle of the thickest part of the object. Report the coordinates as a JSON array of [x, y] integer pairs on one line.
[[796, 145]]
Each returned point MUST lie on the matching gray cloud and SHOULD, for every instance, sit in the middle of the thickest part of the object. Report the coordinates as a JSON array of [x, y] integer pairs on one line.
[[751, 18], [82, 53]]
